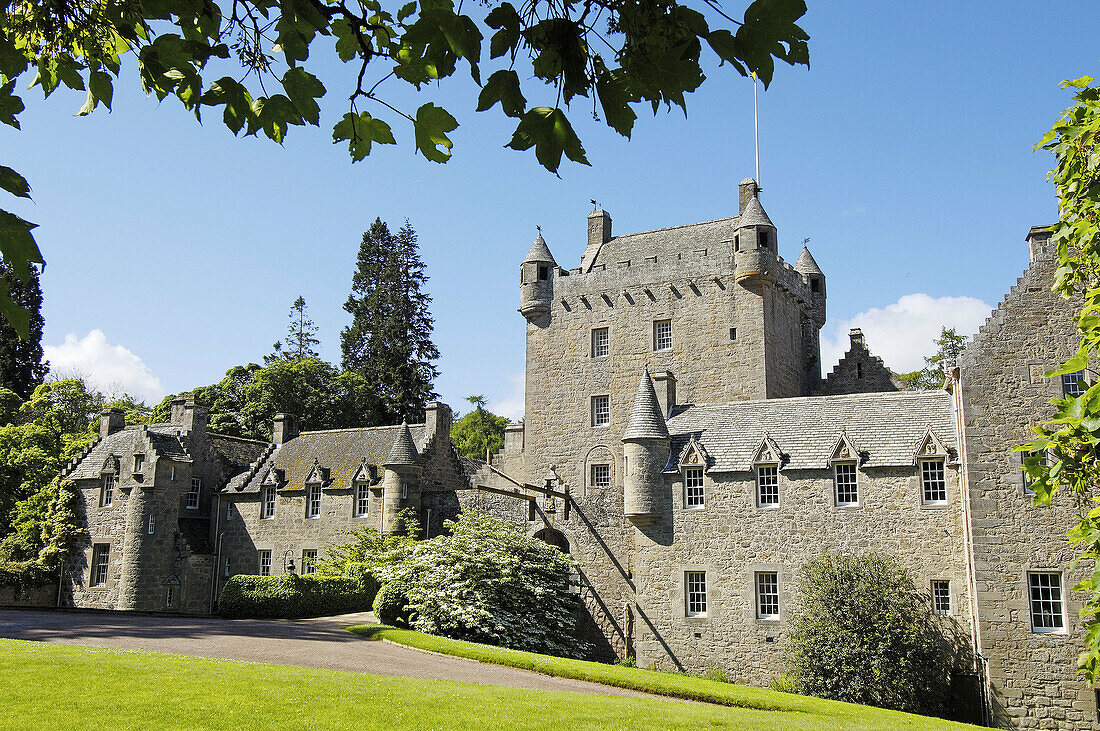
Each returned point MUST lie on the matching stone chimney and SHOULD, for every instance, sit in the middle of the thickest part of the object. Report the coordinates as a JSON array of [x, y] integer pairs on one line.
[[856, 336], [284, 429], [110, 421], [1039, 245], [187, 414], [599, 228], [665, 385], [437, 421], [746, 191]]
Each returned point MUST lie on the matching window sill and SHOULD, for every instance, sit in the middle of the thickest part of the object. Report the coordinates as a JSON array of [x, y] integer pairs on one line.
[[935, 506], [694, 508], [847, 506], [771, 619], [769, 506], [1047, 632], [695, 617]]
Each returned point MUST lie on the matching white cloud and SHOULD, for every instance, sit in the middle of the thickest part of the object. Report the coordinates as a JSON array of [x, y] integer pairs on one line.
[[511, 405], [902, 334], [109, 368]]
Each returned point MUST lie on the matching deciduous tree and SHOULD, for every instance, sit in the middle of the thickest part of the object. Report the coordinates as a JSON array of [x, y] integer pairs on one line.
[[479, 432], [948, 346]]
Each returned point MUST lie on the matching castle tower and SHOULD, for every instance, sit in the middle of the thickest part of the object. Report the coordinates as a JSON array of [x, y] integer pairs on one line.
[[536, 287], [756, 242], [401, 478], [646, 450], [815, 278], [145, 524]]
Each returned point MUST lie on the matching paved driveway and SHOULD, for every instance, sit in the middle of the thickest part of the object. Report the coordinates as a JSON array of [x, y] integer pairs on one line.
[[319, 643]]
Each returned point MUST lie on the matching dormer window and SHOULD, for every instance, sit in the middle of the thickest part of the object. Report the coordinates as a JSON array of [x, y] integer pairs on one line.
[[544, 272], [763, 237], [107, 491]]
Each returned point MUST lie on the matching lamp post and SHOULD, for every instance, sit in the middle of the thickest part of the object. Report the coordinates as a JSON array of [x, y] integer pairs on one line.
[[288, 561]]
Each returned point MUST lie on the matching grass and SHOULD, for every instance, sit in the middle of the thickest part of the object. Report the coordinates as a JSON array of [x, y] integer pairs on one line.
[[781, 710]]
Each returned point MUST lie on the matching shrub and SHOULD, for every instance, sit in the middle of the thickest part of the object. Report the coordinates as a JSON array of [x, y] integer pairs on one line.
[[487, 582], [291, 596], [863, 633], [391, 606], [784, 684]]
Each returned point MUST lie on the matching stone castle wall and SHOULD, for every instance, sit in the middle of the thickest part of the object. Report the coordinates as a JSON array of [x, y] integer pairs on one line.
[[1032, 676]]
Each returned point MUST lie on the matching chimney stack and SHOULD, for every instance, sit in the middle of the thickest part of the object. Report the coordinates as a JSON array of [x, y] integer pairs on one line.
[[746, 191], [284, 429], [437, 420], [665, 385], [110, 421], [599, 228]]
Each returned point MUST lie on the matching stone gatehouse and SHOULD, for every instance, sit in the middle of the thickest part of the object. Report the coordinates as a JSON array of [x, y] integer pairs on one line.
[[682, 442]]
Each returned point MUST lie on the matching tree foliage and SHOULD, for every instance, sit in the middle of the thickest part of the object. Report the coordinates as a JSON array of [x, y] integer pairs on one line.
[[613, 55], [485, 581], [1065, 456], [862, 633], [245, 402], [301, 336], [22, 368], [948, 347], [479, 432], [389, 341]]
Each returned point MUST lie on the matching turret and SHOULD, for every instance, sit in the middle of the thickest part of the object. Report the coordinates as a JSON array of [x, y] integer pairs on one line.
[[755, 243], [401, 479], [815, 280], [536, 280], [1039, 245], [646, 446]]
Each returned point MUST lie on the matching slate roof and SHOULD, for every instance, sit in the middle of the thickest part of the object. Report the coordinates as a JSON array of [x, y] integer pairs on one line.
[[667, 242], [402, 451], [163, 436], [887, 427], [754, 214], [539, 252], [646, 419], [806, 263], [342, 451]]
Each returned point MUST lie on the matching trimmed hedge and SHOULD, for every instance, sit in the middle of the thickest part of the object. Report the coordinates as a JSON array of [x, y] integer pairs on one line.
[[291, 596]]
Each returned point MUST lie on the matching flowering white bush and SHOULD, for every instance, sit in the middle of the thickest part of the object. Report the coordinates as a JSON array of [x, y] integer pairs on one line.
[[485, 581]]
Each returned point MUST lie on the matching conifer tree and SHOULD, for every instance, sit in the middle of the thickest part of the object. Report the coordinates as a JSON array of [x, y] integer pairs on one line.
[[21, 366], [389, 341], [301, 336]]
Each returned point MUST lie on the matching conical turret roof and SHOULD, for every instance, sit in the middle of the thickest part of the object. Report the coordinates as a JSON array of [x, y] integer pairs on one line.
[[806, 263], [754, 214], [647, 421], [539, 252], [403, 451]]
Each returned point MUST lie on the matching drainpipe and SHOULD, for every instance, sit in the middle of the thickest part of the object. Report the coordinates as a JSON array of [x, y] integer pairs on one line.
[[955, 380], [217, 551]]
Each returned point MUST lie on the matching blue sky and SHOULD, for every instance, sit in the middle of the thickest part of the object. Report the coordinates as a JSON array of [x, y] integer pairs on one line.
[[904, 152]]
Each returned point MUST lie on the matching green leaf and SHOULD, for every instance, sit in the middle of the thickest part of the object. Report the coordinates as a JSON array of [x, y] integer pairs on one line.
[[14, 183], [504, 17], [303, 87], [347, 43], [360, 132], [503, 87], [728, 49], [549, 132], [19, 317], [99, 84], [615, 98], [10, 105], [770, 32], [431, 127], [19, 250], [406, 10]]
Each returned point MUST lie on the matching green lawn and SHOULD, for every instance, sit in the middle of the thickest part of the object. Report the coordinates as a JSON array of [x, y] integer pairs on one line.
[[779, 710], [58, 686]]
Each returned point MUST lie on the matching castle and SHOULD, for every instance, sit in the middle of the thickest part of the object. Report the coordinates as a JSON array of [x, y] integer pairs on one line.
[[681, 442]]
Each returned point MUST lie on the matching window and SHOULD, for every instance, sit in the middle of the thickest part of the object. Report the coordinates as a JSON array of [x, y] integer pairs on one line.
[[313, 501], [267, 505], [601, 410], [544, 272], [226, 567], [229, 511], [815, 284], [169, 597], [693, 487], [733, 333], [362, 499], [695, 593], [139, 461], [933, 482], [1073, 384], [767, 595], [172, 472], [600, 346], [107, 492], [767, 486], [1041, 455], [844, 479], [662, 335], [152, 524], [265, 563], [763, 239], [1045, 591], [101, 556], [941, 597], [309, 561], [404, 493], [601, 475], [193, 493]]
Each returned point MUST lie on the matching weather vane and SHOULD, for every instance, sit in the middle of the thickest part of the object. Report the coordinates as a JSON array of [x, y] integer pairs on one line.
[[538, 228], [805, 240], [595, 205]]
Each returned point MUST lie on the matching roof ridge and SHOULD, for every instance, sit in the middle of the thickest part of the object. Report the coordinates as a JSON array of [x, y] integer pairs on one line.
[[360, 428], [669, 228], [899, 395]]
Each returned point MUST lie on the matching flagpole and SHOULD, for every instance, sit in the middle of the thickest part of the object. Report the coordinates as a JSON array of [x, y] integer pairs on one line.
[[756, 127]]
